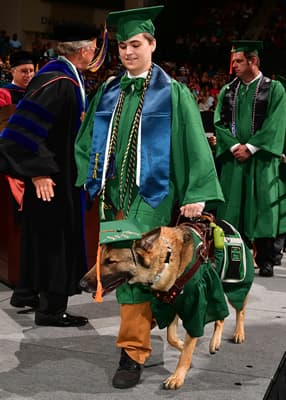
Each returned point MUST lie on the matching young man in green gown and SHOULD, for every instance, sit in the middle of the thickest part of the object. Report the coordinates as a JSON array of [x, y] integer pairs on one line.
[[143, 150], [250, 123]]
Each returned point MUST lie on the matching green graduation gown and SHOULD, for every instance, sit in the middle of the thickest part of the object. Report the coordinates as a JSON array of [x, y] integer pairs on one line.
[[254, 190], [200, 302], [193, 176]]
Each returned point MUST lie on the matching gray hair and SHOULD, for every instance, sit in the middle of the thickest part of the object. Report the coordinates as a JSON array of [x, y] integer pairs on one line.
[[67, 48]]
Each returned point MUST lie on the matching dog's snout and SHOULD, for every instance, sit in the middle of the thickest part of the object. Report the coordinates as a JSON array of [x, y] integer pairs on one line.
[[83, 285]]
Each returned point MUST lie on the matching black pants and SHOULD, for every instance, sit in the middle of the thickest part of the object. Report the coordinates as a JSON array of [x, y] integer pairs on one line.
[[269, 250], [50, 303]]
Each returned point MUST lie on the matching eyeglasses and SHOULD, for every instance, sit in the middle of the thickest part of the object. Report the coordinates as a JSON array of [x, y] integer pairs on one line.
[[25, 71]]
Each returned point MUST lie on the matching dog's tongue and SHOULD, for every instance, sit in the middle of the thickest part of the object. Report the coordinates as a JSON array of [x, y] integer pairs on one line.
[[112, 286]]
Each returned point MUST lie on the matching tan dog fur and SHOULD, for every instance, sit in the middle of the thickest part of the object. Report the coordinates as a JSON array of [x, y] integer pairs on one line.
[[118, 265]]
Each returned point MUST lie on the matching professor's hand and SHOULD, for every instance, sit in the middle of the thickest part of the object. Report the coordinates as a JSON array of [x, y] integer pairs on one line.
[[44, 186]]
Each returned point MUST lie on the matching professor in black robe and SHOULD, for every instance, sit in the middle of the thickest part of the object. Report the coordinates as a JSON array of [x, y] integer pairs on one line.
[[37, 146]]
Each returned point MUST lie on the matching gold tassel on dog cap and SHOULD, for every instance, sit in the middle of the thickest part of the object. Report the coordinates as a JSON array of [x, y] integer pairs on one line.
[[98, 294]]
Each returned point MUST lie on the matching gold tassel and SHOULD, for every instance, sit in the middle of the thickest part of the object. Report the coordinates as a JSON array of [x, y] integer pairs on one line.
[[98, 295], [99, 60]]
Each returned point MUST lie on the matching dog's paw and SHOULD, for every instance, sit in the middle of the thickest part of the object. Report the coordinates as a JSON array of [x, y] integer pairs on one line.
[[174, 381], [238, 337], [215, 344]]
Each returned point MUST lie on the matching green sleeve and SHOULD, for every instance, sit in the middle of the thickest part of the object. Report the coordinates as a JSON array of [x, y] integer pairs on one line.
[[84, 139], [192, 165], [271, 136]]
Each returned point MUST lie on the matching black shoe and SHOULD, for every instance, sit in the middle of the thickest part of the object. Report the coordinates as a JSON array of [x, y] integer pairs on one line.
[[128, 374], [278, 259], [266, 270], [24, 301], [61, 320]]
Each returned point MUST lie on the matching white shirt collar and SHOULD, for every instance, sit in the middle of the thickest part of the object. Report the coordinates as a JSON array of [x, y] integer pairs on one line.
[[253, 80], [143, 75]]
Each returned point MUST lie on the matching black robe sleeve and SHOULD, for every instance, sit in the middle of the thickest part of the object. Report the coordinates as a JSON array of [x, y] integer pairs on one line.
[[32, 142]]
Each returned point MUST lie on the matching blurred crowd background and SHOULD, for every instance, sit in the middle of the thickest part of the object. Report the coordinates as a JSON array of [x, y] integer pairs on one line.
[[195, 49]]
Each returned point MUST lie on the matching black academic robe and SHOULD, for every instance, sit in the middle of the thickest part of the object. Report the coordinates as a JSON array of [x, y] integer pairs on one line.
[[17, 93], [39, 141]]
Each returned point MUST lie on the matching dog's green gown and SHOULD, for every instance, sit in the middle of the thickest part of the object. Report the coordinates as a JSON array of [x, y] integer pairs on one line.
[[193, 177], [201, 301]]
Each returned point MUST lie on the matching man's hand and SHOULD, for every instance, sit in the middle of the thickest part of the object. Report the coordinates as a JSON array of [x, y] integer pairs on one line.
[[44, 186], [241, 153], [192, 210], [212, 140]]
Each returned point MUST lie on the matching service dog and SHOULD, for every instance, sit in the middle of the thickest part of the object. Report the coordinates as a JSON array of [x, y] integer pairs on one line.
[[160, 259]]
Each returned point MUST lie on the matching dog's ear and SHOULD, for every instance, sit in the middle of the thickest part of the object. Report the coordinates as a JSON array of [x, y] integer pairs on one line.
[[187, 232], [147, 239]]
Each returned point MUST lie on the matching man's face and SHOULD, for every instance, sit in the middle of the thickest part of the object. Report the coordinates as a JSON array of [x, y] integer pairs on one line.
[[241, 66], [22, 74], [88, 54], [136, 54]]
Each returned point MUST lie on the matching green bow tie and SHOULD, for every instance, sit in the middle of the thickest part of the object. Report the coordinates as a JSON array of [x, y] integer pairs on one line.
[[126, 82]]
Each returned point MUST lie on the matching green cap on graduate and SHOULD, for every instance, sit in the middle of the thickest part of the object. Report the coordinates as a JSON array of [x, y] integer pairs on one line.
[[119, 233], [130, 22], [247, 46]]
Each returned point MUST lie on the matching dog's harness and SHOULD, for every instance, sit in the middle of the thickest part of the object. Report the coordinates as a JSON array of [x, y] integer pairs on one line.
[[166, 261], [203, 251]]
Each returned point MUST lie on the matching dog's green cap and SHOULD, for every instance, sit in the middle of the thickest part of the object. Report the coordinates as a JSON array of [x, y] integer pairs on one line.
[[120, 233], [128, 23], [247, 46]]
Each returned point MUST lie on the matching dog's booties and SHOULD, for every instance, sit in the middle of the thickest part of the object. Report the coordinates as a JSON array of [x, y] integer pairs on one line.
[[128, 373]]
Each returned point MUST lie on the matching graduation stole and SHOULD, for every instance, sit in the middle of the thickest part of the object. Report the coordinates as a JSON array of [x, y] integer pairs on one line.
[[155, 124], [260, 102]]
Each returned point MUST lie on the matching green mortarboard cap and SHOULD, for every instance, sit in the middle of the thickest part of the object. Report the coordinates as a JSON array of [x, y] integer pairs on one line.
[[120, 233], [130, 22], [247, 46]]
